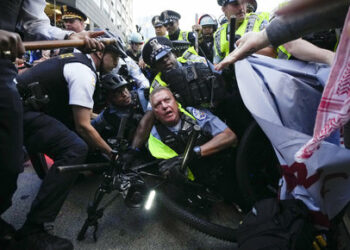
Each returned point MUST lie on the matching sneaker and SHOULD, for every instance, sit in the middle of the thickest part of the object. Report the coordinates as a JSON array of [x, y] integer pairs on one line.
[[42, 240]]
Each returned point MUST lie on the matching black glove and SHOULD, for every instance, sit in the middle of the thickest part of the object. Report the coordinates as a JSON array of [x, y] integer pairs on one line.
[[171, 169], [129, 157]]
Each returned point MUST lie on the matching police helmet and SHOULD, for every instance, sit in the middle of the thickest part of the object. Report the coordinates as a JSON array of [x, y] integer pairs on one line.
[[69, 12], [156, 21], [136, 38], [207, 20], [224, 2], [117, 47], [155, 49], [112, 82], [252, 5], [168, 16]]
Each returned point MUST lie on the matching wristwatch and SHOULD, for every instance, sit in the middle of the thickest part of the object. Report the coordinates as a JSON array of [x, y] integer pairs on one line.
[[197, 150]]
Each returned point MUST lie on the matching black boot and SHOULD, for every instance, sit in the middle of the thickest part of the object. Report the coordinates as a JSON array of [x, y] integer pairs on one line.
[[34, 237], [7, 233]]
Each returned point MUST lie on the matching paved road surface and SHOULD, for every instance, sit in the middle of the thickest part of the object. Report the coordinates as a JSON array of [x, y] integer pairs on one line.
[[120, 227]]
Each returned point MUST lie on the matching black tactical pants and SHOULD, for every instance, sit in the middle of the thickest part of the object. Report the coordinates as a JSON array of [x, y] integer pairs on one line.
[[43, 133], [10, 134]]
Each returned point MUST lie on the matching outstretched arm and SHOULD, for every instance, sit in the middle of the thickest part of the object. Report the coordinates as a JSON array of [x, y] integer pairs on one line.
[[219, 142]]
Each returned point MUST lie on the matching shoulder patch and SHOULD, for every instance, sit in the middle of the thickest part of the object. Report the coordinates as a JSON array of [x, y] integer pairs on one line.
[[198, 114], [66, 55]]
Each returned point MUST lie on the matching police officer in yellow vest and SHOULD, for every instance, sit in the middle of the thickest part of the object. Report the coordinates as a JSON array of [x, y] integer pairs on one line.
[[171, 19], [157, 53], [173, 126], [246, 22]]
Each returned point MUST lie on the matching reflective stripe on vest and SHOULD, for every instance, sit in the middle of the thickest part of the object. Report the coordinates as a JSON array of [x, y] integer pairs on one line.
[[157, 82], [221, 43], [191, 55], [183, 36], [252, 22]]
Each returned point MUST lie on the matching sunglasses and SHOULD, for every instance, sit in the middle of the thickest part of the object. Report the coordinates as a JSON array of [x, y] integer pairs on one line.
[[136, 43], [169, 24]]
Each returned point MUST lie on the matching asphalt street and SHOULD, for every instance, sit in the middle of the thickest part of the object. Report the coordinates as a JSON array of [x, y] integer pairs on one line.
[[121, 227]]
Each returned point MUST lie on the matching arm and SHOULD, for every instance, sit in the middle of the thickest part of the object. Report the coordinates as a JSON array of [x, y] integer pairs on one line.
[[219, 142], [136, 73], [332, 15], [36, 26], [143, 130], [84, 128], [306, 51], [282, 30]]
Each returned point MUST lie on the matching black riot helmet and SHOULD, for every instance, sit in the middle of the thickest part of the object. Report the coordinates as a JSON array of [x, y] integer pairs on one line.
[[112, 82], [117, 47]]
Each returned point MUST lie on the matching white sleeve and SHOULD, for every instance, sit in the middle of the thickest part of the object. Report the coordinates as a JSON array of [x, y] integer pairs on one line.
[[81, 84], [35, 22], [136, 73]]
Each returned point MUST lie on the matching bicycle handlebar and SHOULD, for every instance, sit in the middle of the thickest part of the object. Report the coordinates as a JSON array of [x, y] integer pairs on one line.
[[82, 167]]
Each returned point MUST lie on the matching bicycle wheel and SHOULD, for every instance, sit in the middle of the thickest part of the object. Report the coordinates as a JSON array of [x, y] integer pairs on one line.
[[39, 164], [196, 222], [257, 167]]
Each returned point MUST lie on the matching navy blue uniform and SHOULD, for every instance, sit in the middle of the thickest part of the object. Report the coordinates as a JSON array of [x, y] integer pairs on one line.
[[50, 132]]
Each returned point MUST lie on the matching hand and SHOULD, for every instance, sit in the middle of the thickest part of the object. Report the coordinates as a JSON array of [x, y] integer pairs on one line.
[[129, 157], [248, 44], [166, 166], [11, 45], [91, 44], [142, 63], [196, 28]]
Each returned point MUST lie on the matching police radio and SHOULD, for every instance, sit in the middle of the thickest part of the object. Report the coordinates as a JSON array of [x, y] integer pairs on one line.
[[32, 96]]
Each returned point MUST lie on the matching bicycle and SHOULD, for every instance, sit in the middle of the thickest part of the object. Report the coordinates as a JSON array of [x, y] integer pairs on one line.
[[138, 190]]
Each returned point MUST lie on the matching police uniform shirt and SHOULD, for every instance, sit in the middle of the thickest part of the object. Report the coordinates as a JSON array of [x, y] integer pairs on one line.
[[35, 24], [134, 71], [81, 83], [208, 123]]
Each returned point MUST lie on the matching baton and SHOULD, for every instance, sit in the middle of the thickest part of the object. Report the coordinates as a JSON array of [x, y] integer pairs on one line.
[[54, 44]]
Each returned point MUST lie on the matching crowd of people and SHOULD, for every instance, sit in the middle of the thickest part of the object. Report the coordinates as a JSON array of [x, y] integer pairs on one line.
[[164, 87]]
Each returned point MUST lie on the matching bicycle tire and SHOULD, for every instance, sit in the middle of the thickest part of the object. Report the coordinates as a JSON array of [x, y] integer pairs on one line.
[[39, 164], [201, 225], [255, 150]]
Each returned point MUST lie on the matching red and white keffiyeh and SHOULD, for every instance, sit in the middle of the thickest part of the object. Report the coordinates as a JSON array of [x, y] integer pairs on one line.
[[334, 109]]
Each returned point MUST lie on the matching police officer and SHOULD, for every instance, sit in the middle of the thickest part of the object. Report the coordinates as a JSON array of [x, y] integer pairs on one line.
[[158, 26], [173, 127], [34, 24], [171, 19], [136, 42], [207, 25], [69, 82], [157, 53], [73, 19], [244, 23], [122, 104]]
